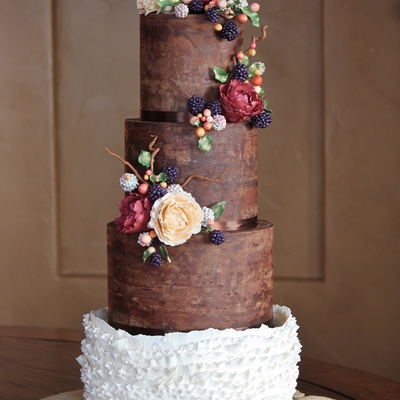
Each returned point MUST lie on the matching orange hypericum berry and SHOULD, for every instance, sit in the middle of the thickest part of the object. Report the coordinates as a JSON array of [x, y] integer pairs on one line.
[[242, 18], [153, 234], [200, 132], [257, 80], [193, 120], [143, 188], [207, 126], [218, 27], [257, 72]]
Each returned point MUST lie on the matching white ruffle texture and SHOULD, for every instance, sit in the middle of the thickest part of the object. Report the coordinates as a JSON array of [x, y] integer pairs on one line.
[[258, 363]]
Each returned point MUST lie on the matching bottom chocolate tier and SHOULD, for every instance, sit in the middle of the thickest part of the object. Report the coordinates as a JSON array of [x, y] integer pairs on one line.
[[205, 285]]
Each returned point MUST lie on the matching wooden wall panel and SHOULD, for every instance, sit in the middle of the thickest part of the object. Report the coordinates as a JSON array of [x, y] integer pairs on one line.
[[291, 149], [96, 70]]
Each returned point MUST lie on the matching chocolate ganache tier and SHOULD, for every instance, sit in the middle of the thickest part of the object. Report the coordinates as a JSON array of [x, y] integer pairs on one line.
[[234, 155], [177, 56], [227, 286]]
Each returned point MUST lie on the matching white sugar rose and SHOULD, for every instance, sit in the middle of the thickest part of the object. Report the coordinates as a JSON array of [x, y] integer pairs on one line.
[[147, 6], [175, 217]]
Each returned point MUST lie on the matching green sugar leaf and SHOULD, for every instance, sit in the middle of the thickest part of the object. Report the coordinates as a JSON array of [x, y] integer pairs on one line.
[[245, 61], [205, 143], [167, 3], [162, 177], [146, 255], [257, 65], [220, 74], [218, 208], [253, 16], [144, 158], [164, 252]]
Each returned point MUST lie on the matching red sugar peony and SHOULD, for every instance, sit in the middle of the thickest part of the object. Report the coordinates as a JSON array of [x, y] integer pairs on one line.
[[135, 213], [239, 101]]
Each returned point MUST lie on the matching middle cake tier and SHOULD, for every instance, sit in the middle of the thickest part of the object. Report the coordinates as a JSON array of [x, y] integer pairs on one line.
[[205, 286], [227, 173]]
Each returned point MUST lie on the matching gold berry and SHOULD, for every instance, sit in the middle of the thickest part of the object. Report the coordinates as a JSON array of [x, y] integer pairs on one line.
[[200, 132]]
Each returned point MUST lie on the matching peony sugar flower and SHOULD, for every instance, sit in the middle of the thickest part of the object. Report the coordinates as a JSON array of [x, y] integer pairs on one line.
[[135, 213], [147, 6], [239, 101], [175, 218]]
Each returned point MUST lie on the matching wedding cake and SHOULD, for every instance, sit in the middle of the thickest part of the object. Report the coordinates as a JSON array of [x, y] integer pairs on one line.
[[190, 312]]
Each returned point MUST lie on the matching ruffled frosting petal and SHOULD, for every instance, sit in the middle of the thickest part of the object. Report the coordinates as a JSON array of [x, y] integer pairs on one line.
[[258, 363]]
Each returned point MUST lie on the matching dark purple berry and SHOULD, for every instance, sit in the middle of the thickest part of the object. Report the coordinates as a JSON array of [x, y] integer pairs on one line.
[[196, 105], [172, 173], [155, 192], [156, 259], [262, 120], [215, 107], [230, 31], [240, 72], [217, 237], [212, 14], [196, 7]]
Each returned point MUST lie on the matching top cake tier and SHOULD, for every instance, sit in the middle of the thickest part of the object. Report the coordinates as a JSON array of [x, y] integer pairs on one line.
[[177, 56]]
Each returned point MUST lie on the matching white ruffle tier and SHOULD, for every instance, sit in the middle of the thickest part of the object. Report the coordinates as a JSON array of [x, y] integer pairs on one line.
[[257, 364]]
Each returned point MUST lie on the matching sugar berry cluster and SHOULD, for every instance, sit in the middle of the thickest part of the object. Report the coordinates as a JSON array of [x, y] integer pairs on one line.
[[252, 73], [138, 209], [158, 186], [219, 12], [206, 116]]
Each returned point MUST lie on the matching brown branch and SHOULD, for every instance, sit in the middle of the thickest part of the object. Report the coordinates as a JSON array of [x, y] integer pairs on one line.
[[255, 38], [151, 148], [264, 34], [203, 178], [127, 164], [153, 155]]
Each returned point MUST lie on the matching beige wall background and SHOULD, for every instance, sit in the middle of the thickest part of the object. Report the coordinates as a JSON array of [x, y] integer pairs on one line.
[[329, 164]]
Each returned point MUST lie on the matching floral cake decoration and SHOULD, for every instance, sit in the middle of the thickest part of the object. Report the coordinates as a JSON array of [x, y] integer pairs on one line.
[[160, 211], [241, 96]]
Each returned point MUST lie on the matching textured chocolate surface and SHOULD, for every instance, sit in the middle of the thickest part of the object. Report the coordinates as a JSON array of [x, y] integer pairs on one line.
[[234, 151], [226, 286], [177, 56]]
